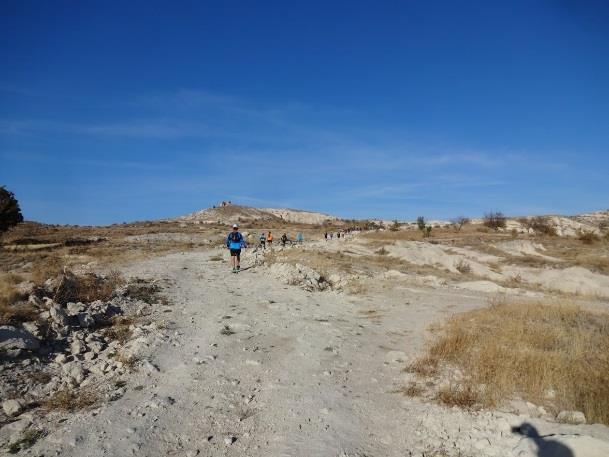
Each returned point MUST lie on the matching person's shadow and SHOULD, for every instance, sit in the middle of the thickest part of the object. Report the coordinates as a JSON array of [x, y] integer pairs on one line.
[[545, 447]]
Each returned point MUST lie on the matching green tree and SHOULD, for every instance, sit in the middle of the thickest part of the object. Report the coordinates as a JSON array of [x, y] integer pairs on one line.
[[10, 213]]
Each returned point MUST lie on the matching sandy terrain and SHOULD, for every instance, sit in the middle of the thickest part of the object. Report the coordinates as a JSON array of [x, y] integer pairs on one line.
[[304, 352], [293, 373]]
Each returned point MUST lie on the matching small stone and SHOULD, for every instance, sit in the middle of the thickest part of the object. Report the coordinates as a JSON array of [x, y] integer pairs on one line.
[[77, 347], [571, 417], [89, 356], [149, 367], [12, 407], [75, 308], [61, 359], [75, 371], [95, 346], [230, 440]]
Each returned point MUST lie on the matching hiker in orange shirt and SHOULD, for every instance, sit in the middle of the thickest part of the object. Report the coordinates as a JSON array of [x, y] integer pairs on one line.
[[269, 239]]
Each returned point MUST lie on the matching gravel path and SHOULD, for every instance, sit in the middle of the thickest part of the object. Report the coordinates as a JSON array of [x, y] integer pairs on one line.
[[253, 367]]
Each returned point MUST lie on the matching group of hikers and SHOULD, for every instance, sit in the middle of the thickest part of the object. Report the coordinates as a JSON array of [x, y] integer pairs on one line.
[[235, 241], [343, 233]]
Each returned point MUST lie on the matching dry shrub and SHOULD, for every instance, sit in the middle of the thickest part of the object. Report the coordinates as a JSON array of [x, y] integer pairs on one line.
[[45, 268], [143, 290], [588, 237], [411, 390], [461, 395], [120, 328], [494, 220], [463, 267], [382, 251], [12, 309], [71, 400], [25, 441], [526, 350], [424, 366], [87, 288]]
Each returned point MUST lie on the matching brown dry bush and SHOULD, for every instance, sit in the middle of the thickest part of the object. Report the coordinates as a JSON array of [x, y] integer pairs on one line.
[[12, 308], [588, 237], [46, 267], [461, 395], [71, 400], [494, 220], [87, 288], [526, 350], [463, 267], [120, 328]]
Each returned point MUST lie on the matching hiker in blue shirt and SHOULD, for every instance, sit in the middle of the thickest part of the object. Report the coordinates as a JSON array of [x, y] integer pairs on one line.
[[234, 242]]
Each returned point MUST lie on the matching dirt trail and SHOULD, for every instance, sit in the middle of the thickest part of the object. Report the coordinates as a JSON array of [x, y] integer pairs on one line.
[[252, 367]]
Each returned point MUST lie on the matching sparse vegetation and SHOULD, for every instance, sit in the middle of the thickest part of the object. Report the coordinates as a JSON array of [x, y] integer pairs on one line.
[[463, 266], [526, 349], [588, 237], [10, 213], [459, 222], [86, 288], [461, 395], [27, 439], [120, 329], [395, 226], [421, 223], [411, 390], [495, 220], [539, 224], [71, 400]]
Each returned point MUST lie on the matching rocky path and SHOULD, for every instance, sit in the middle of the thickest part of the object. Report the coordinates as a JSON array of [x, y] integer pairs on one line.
[[252, 367]]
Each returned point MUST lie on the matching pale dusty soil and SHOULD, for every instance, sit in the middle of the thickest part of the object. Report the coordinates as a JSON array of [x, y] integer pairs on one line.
[[304, 374]]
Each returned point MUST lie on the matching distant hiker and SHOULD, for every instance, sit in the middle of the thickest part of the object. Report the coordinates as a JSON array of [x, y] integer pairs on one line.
[[269, 239], [338, 235], [284, 239], [263, 240], [331, 235], [326, 236], [299, 238], [234, 242]]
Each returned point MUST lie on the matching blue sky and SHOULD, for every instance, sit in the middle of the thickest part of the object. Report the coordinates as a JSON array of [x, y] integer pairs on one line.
[[121, 111]]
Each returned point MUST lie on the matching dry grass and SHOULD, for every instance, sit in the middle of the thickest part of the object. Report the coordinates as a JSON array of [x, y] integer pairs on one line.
[[588, 237], [27, 439], [526, 350], [46, 267], [411, 390], [129, 362], [12, 309], [461, 395], [71, 400], [119, 329], [87, 288]]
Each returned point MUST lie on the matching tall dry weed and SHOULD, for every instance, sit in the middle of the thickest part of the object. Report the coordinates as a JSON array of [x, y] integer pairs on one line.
[[529, 350]]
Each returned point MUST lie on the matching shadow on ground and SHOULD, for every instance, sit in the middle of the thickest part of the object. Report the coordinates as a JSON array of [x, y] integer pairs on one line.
[[545, 447]]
